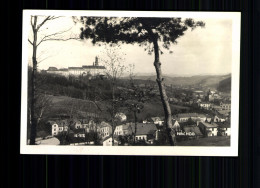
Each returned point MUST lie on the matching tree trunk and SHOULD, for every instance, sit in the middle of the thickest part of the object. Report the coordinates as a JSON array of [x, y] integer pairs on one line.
[[164, 98], [33, 82], [113, 111], [135, 125]]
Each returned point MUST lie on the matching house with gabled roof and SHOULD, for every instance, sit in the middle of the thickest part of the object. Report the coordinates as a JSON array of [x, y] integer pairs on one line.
[[192, 131], [208, 129], [104, 129], [145, 132], [57, 127], [124, 129], [224, 128], [175, 125]]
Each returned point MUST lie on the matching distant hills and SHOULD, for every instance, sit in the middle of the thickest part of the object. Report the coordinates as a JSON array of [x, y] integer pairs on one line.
[[202, 80]]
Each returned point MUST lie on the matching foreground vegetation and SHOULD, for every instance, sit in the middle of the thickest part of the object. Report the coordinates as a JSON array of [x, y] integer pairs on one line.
[[207, 141]]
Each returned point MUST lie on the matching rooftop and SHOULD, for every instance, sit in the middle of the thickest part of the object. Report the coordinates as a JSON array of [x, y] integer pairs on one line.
[[196, 130], [209, 125], [74, 67], [125, 126], [52, 69], [223, 124], [79, 131], [187, 115], [104, 124], [145, 128], [93, 67]]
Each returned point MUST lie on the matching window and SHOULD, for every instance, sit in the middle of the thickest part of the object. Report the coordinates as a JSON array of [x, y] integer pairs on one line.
[[54, 129]]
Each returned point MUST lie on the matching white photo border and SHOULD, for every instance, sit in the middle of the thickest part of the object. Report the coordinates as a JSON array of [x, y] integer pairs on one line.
[[231, 150]]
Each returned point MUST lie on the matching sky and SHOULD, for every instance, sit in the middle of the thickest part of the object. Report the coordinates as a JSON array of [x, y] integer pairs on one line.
[[199, 52]]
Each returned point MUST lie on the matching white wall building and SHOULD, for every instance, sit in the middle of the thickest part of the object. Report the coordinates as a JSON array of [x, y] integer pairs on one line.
[[108, 142], [93, 70]]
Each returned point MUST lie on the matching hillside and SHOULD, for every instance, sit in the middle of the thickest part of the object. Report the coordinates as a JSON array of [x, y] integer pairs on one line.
[[225, 85], [86, 108], [203, 80]]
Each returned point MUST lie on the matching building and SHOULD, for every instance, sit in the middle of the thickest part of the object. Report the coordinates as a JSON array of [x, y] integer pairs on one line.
[[208, 129], [121, 116], [192, 131], [77, 137], [57, 127], [145, 132], [212, 96], [157, 120], [225, 106], [79, 133], [224, 128], [204, 118], [91, 126], [93, 70], [224, 113], [219, 118], [205, 105], [183, 117], [104, 129], [108, 141], [176, 125], [122, 130], [77, 124]]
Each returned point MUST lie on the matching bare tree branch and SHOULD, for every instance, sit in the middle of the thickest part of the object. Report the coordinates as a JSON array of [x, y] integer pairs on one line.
[[39, 61], [45, 20], [55, 17], [49, 37], [71, 38], [30, 42]]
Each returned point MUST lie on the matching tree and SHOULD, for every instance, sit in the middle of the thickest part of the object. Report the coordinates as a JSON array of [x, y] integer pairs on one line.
[[134, 97], [158, 32], [42, 102], [37, 24], [112, 59]]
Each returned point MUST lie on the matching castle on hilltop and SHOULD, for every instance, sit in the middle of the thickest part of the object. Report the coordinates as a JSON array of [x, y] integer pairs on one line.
[[93, 70]]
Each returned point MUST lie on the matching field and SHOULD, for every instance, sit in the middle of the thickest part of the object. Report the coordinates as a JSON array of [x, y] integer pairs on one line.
[[61, 104], [208, 141]]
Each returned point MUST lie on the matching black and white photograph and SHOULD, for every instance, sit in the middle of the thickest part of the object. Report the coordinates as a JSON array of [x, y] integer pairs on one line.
[[130, 83]]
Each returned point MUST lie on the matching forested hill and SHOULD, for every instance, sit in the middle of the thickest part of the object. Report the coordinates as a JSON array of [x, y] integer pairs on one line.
[[225, 85], [203, 80], [81, 88]]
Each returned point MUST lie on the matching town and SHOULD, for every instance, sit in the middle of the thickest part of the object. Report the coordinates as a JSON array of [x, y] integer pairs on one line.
[[199, 114]]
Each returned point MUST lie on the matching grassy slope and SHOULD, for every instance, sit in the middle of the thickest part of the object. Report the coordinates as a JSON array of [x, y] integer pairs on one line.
[[153, 108]]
